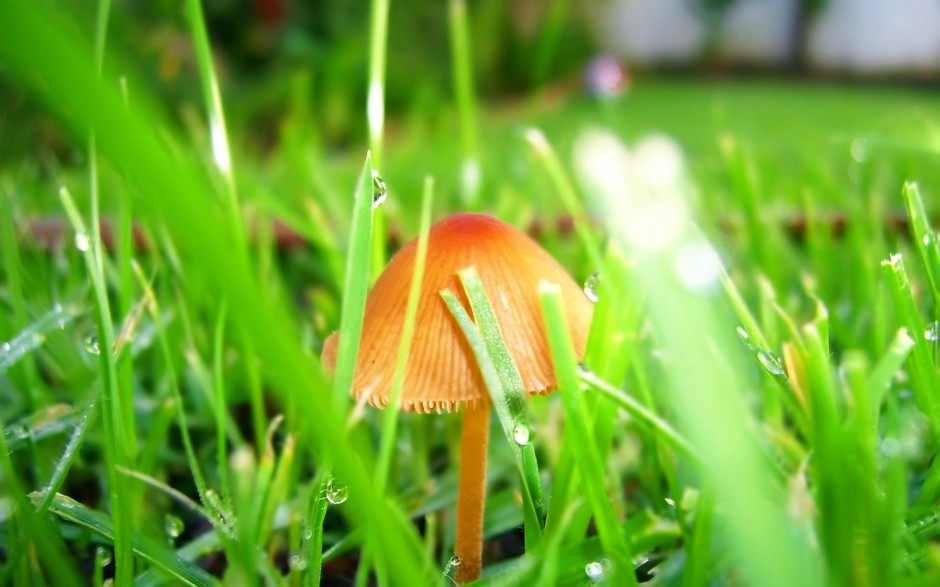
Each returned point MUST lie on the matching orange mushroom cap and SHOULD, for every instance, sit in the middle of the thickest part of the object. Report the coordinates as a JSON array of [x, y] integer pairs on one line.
[[441, 373]]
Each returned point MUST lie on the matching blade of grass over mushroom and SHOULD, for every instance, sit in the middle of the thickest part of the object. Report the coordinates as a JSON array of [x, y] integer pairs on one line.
[[589, 463], [147, 549], [390, 417], [509, 412], [462, 69], [925, 237], [113, 412], [355, 289], [510, 404], [656, 424], [173, 191]]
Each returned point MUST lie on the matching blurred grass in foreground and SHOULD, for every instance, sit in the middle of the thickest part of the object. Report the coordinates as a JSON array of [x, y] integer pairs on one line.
[[799, 451]]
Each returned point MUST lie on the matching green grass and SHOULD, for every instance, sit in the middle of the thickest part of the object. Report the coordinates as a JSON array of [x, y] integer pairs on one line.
[[758, 403]]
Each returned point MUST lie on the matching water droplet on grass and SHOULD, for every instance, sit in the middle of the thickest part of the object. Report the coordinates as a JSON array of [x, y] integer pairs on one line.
[[928, 239], [379, 191], [102, 556], [336, 492], [770, 362], [594, 571], [932, 333], [173, 527], [82, 242], [454, 561], [743, 334], [521, 434], [5, 347], [91, 345], [590, 287], [297, 562]]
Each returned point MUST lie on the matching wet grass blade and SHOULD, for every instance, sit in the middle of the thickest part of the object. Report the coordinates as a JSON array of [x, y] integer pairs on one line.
[[924, 377], [113, 411], [147, 549], [33, 336], [505, 395], [925, 237], [390, 417], [355, 290], [589, 461], [654, 423]]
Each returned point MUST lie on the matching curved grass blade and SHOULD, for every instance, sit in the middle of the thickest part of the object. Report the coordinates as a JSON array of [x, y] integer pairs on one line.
[[646, 417], [34, 335], [149, 550]]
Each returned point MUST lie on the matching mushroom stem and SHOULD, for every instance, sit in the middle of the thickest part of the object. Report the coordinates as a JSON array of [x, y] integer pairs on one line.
[[471, 492]]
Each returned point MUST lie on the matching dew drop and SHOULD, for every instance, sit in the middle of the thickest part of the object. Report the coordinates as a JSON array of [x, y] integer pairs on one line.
[[454, 561], [82, 242], [297, 562], [173, 526], [91, 345], [744, 334], [17, 432], [859, 150], [928, 239], [5, 347], [103, 556], [379, 191], [336, 492], [932, 333], [770, 362], [594, 571], [590, 287], [521, 434]]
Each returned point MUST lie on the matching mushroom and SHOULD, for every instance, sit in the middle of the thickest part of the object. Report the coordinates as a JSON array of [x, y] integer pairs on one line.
[[441, 373]]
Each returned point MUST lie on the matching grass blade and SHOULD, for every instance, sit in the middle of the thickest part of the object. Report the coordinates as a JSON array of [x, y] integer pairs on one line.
[[355, 289], [112, 408], [506, 396], [390, 417], [589, 463], [462, 68], [147, 549], [633, 407], [33, 336], [925, 237]]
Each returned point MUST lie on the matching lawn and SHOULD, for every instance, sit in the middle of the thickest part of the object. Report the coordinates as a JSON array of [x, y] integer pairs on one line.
[[758, 401]]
